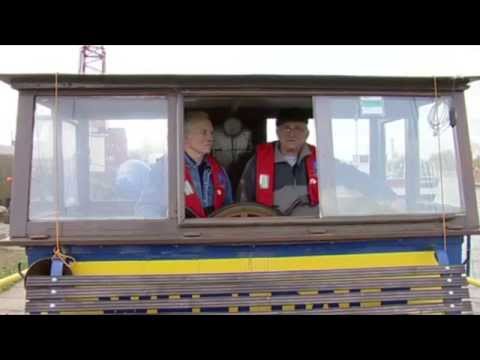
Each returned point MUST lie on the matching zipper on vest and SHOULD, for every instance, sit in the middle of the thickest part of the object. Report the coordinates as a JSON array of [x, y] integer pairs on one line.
[[294, 168]]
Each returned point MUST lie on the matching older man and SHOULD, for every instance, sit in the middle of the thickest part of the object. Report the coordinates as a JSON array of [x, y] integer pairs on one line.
[[207, 186], [283, 174]]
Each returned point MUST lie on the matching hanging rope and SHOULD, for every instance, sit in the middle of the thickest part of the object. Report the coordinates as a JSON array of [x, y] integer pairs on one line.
[[57, 252], [437, 131]]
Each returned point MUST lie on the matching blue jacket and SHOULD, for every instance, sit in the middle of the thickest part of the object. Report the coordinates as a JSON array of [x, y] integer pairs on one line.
[[153, 202], [203, 183]]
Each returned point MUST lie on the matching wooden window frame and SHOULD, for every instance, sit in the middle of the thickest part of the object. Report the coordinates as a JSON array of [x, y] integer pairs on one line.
[[178, 230]]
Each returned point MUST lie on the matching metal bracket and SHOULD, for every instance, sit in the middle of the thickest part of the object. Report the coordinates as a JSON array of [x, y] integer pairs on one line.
[[442, 257], [468, 251], [56, 268]]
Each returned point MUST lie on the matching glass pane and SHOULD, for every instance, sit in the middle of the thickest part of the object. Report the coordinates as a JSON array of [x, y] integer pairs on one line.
[[352, 142], [380, 156], [395, 156], [108, 149], [434, 174]]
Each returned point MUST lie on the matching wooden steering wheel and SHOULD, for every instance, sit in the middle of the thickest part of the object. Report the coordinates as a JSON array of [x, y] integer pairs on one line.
[[246, 209]]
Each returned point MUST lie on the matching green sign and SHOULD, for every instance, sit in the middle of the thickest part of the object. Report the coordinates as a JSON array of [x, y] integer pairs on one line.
[[372, 105]]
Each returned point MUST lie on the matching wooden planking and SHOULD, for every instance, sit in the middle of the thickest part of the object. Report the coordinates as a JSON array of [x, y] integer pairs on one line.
[[445, 286], [357, 274], [242, 301], [463, 307], [247, 287]]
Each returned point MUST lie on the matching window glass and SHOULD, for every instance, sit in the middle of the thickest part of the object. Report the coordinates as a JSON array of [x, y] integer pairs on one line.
[[384, 156], [97, 158]]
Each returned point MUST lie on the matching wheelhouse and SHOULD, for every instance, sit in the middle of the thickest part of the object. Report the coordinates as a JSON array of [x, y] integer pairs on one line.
[[85, 145]]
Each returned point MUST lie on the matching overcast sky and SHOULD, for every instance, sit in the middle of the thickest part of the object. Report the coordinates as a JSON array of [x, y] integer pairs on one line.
[[314, 60]]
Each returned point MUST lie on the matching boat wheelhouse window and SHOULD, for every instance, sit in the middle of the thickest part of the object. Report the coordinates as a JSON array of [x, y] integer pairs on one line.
[[380, 155], [241, 124], [94, 155]]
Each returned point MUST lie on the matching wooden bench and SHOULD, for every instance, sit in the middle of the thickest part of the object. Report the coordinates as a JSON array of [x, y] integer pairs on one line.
[[394, 290]]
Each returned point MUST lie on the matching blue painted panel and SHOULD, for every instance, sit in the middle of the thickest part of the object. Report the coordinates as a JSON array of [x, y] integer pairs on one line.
[[157, 252]]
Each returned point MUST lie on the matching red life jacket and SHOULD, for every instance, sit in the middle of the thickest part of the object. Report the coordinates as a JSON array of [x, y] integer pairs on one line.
[[193, 201], [265, 174]]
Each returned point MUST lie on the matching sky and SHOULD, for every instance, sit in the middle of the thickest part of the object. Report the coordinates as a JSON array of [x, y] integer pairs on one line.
[[379, 60]]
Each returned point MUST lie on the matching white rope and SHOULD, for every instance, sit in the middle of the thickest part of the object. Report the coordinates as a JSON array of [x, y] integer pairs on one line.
[[57, 150]]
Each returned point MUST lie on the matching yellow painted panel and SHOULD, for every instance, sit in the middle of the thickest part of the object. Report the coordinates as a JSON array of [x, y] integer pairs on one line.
[[92, 312], [206, 266], [343, 291], [260, 294], [260, 308], [369, 304]]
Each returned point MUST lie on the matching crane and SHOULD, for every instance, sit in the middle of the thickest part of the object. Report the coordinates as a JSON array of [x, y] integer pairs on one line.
[[93, 59]]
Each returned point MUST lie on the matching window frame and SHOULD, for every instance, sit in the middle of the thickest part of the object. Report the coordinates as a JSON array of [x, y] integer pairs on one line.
[[23, 227], [178, 230], [454, 220], [326, 156]]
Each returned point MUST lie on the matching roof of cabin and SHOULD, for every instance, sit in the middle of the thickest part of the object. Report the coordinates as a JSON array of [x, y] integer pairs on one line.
[[234, 82]]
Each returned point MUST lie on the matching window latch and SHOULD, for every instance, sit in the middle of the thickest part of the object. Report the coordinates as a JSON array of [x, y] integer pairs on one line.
[[39, 237], [191, 234]]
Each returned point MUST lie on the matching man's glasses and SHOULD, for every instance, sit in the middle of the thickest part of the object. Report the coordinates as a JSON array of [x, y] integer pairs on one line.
[[293, 129]]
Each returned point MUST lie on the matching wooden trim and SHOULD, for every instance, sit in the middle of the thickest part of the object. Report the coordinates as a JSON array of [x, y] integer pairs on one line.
[[172, 150], [325, 155], [167, 233], [303, 92], [375, 83], [464, 154], [110, 241], [108, 92], [329, 220], [22, 165], [151, 240], [180, 162], [235, 92], [131, 228]]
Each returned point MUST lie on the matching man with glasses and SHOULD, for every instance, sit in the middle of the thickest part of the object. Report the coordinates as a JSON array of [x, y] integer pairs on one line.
[[283, 174]]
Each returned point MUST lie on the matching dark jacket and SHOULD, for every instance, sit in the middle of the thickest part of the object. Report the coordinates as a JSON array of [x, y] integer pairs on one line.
[[291, 181]]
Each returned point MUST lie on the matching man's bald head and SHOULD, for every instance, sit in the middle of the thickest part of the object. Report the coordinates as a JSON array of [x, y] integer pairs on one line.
[[192, 118], [198, 134]]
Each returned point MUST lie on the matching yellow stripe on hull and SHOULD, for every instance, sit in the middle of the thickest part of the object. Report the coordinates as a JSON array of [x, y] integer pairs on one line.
[[206, 266]]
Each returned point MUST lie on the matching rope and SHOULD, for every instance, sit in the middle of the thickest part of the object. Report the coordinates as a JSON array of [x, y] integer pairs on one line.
[[57, 252], [473, 281], [444, 222]]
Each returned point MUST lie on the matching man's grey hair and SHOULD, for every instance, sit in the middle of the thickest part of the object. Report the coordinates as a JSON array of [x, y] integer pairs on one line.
[[191, 117]]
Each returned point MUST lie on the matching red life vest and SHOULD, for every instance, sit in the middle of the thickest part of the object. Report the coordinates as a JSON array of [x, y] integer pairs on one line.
[[193, 201], [265, 174]]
